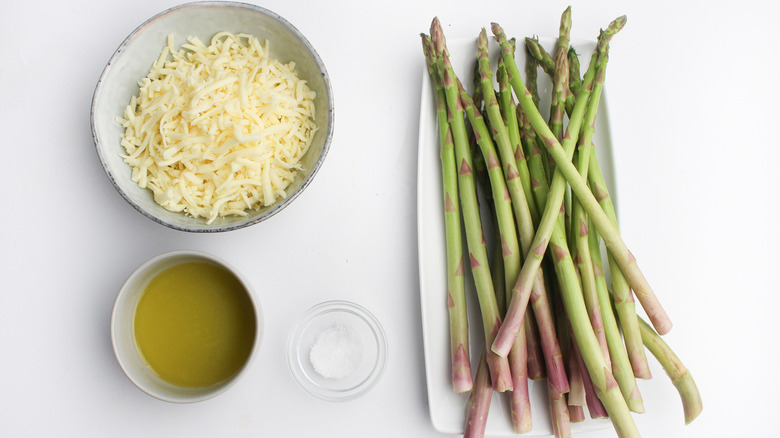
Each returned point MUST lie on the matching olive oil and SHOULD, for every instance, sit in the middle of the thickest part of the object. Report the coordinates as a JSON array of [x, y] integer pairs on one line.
[[195, 324]]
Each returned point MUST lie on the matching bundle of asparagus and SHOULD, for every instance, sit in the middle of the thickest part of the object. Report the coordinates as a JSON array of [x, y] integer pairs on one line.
[[552, 211]]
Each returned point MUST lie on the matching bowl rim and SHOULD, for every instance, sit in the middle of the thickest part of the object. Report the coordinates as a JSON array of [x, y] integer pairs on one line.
[[280, 205], [168, 259]]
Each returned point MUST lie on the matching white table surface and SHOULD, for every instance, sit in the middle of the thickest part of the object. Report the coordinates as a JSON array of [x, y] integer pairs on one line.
[[693, 103]]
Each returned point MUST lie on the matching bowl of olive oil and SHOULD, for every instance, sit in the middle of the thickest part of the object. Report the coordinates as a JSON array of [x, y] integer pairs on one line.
[[185, 326]]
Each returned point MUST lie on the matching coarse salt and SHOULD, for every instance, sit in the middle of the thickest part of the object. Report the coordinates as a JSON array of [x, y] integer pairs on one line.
[[336, 352]]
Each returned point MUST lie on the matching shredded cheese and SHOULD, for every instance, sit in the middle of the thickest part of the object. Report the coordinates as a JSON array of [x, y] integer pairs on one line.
[[218, 130]]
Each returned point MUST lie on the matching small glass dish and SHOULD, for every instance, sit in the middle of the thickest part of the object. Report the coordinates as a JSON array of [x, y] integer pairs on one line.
[[364, 330]]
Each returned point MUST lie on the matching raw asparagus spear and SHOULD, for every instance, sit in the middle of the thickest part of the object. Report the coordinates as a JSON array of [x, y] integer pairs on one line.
[[611, 236], [491, 319], [479, 402], [529, 270], [622, 292], [555, 369], [680, 376], [561, 76], [625, 378], [605, 384], [621, 365], [508, 112], [456, 298]]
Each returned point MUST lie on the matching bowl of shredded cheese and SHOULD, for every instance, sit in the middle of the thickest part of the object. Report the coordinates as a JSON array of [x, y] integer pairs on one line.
[[212, 116]]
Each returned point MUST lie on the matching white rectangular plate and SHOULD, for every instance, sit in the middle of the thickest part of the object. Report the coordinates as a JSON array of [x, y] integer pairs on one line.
[[447, 409]]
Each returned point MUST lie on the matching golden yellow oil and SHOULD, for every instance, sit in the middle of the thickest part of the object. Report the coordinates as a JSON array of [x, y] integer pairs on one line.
[[195, 324]]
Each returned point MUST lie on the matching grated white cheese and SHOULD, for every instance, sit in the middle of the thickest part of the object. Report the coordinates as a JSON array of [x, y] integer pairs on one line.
[[217, 130]]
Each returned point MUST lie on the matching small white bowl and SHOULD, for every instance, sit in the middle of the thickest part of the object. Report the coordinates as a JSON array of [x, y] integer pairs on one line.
[[366, 330], [123, 339], [132, 61]]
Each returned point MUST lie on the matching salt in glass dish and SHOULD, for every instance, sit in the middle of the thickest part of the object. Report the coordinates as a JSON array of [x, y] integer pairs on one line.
[[369, 334]]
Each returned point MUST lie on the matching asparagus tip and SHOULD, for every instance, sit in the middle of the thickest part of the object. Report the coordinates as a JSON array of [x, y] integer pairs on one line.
[[498, 31], [437, 35], [620, 22], [426, 43], [565, 22], [482, 43], [606, 35]]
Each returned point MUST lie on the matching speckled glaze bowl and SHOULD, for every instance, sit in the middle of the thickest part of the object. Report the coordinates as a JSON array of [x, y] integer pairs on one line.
[[132, 61]]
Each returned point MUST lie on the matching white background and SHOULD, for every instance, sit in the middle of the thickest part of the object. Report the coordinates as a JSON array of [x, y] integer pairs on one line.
[[692, 95]]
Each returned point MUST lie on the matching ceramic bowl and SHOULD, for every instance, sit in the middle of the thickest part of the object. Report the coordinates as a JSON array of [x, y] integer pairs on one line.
[[132, 61], [123, 339]]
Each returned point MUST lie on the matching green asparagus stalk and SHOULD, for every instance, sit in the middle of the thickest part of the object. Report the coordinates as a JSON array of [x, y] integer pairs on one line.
[[519, 397], [624, 299], [537, 160], [555, 369], [498, 271], [491, 319], [609, 233], [574, 72], [507, 249], [501, 134], [624, 377], [536, 164], [595, 407], [576, 396], [535, 361], [501, 203], [545, 60], [588, 278], [496, 258], [680, 376], [623, 295], [621, 365], [580, 220], [605, 384], [590, 295], [561, 76], [540, 189], [563, 265], [479, 402], [517, 360], [576, 409], [622, 291], [528, 272], [456, 296], [508, 110], [531, 74], [559, 413], [541, 56]]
